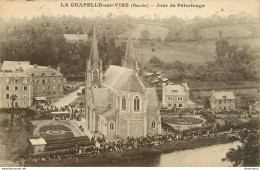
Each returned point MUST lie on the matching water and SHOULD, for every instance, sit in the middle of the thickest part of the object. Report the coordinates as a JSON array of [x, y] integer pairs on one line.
[[202, 157]]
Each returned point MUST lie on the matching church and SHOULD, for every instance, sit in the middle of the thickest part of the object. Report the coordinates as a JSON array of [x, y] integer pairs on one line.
[[118, 105]]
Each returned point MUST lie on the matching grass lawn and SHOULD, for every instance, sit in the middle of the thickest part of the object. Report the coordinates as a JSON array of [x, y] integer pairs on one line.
[[54, 127], [65, 135], [182, 120]]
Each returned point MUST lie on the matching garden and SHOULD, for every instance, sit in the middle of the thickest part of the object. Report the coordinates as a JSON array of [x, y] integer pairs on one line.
[[55, 132]]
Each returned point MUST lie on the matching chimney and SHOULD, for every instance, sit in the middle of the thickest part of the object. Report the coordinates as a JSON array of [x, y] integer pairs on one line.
[[58, 68], [35, 66], [213, 91], [78, 33]]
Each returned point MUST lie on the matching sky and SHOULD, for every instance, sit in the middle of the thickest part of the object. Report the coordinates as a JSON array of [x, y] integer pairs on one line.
[[21, 8]]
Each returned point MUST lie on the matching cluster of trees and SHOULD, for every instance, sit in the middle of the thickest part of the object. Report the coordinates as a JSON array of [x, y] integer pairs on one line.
[[246, 154], [232, 63], [40, 40]]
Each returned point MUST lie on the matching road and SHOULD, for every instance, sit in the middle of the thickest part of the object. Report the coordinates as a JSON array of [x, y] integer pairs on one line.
[[66, 100]]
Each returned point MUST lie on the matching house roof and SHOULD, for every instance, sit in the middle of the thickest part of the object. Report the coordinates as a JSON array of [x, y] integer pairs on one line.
[[38, 141], [40, 71], [13, 74], [14, 65], [224, 95], [174, 90], [75, 37], [40, 98], [123, 79]]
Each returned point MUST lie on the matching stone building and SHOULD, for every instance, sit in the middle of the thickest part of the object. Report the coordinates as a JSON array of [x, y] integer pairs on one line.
[[222, 101], [15, 83], [176, 96], [28, 82], [47, 82], [118, 105]]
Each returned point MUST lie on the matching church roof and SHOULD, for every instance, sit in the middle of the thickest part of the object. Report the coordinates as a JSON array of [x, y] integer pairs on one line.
[[101, 96], [152, 99], [123, 79], [108, 113]]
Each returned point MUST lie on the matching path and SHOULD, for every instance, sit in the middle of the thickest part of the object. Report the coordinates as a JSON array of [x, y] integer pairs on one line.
[[66, 100], [83, 123]]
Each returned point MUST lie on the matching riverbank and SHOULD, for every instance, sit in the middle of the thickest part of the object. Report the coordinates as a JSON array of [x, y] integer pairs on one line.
[[128, 156]]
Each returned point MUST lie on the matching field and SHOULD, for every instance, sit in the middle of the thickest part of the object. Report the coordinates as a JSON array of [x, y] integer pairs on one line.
[[192, 52], [154, 30]]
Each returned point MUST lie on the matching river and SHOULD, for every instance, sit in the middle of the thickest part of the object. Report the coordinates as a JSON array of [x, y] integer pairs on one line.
[[201, 157], [207, 156]]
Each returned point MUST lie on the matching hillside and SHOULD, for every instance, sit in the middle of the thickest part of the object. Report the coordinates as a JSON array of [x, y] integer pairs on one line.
[[154, 30]]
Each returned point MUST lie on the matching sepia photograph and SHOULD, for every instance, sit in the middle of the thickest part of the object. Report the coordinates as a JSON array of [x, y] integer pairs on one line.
[[129, 83]]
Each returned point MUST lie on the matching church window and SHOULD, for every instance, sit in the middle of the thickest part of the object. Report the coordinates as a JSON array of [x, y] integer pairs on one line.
[[180, 105], [136, 103], [153, 124], [123, 103], [95, 75], [112, 126]]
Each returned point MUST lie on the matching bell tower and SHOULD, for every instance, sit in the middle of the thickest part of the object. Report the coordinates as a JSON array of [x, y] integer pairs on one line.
[[96, 63]]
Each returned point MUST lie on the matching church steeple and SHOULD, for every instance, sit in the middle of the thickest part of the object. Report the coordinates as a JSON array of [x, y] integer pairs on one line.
[[128, 60], [94, 55], [96, 64]]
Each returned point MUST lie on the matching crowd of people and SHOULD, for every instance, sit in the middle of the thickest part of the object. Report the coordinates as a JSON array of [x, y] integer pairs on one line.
[[100, 145]]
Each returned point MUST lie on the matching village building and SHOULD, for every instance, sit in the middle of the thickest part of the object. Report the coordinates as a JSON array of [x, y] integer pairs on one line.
[[38, 145], [176, 96], [118, 105], [15, 84], [29, 83], [222, 101], [47, 82]]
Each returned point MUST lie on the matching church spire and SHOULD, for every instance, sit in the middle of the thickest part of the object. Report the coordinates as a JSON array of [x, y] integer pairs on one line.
[[128, 60], [94, 55]]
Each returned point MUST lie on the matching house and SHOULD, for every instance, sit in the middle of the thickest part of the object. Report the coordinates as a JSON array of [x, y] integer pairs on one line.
[[16, 83], [118, 105], [47, 82], [73, 38], [222, 101], [44, 81], [38, 145], [176, 96]]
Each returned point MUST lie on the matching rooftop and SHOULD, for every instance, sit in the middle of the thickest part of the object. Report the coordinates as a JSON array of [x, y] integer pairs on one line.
[[123, 79], [224, 95], [38, 141], [175, 90]]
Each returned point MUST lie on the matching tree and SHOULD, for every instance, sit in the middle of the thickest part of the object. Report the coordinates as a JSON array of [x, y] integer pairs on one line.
[[246, 155], [156, 61], [145, 35]]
